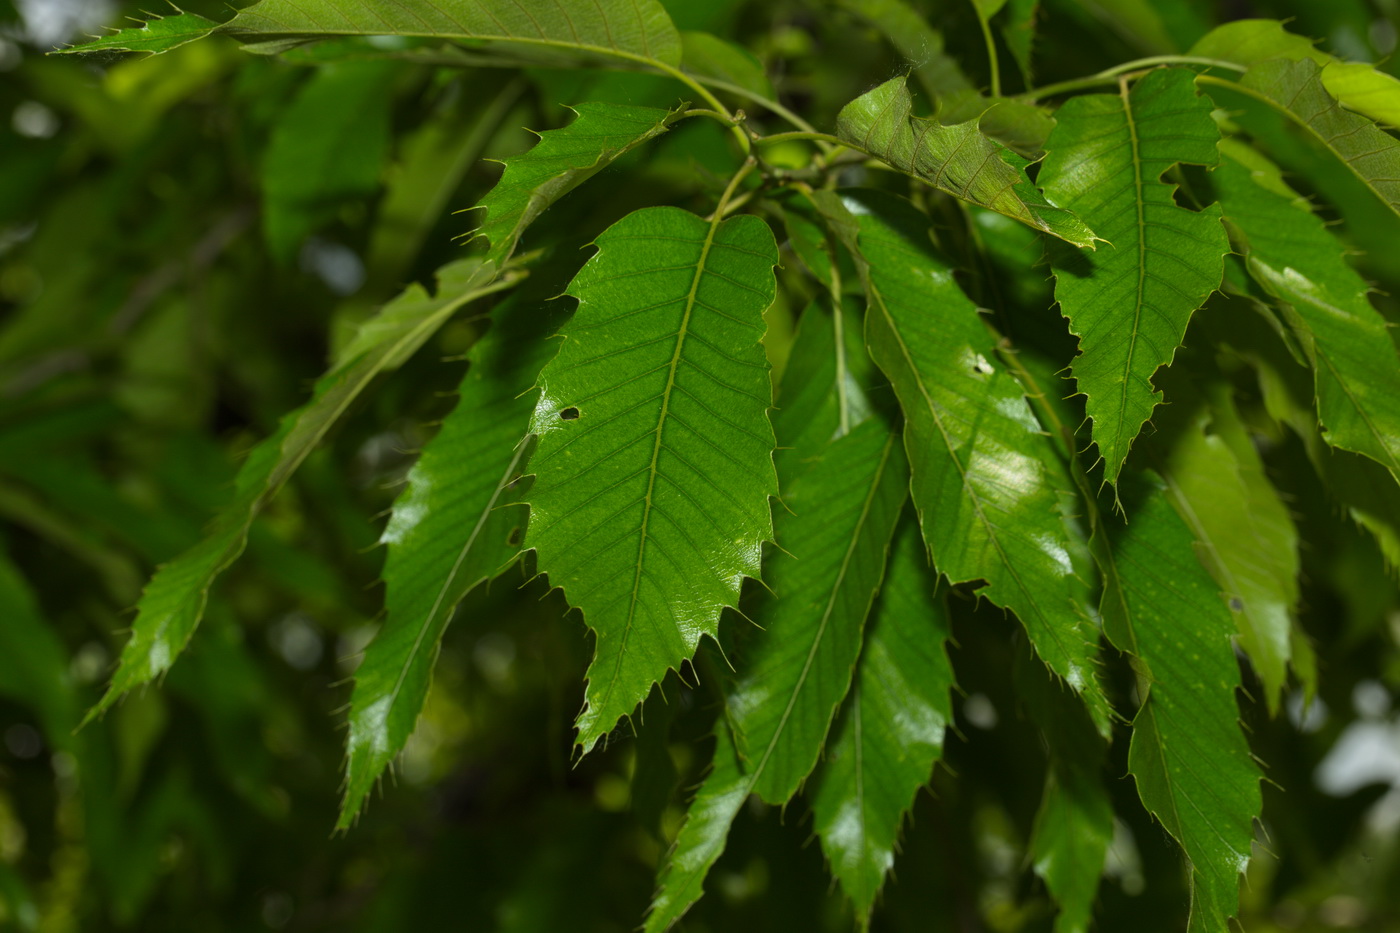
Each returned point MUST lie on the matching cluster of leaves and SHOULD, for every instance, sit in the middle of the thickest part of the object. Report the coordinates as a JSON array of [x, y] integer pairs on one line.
[[1071, 372]]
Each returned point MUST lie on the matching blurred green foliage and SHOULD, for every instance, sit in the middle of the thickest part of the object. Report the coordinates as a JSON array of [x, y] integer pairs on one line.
[[188, 240]]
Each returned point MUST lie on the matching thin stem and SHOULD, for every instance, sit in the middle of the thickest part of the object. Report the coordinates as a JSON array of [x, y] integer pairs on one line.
[[711, 114], [722, 207], [808, 136], [837, 320], [992, 62], [1110, 75], [764, 102], [709, 98]]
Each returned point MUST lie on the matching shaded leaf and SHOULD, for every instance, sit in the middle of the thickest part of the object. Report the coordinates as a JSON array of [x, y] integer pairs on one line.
[[1243, 533], [957, 159], [921, 45], [1292, 255], [712, 57], [33, 662], [890, 732], [328, 147], [1296, 88], [701, 839], [1074, 824], [654, 464], [174, 600], [988, 510], [1129, 305], [1018, 31], [637, 30], [1192, 765], [562, 160], [796, 669], [450, 530], [1357, 85]]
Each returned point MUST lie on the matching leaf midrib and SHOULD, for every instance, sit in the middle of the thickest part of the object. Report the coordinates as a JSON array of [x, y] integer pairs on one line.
[[836, 586], [1136, 146], [652, 471]]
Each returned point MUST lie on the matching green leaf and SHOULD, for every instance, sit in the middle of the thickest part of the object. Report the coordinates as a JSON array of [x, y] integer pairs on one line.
[[921, 45], [1296, 89], [956, 159], [1358, 86], [654, 464], [701, 839], [798, 666], [562, 160], [1296, 259], [33, 662], [158, 34], [1188, 755], [883, 747], [328, 147], [1074, 825], [711, 57], [1130, 305], [632, 30], [451, 529], [1243, 533], [1018, 31], [988, 509], [796, 669], [174, 600]]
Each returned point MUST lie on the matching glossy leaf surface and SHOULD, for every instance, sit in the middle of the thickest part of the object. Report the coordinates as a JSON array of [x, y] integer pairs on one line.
[[1129, 305], [957, 159], [987, 508], [890, 732], [798, 666], [1192, 765], [654, 465], [452, 528]]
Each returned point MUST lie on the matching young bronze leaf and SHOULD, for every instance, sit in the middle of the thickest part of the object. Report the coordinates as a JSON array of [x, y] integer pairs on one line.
[[1130, 304], [890, 732], [1191, 762], [173, 602], [987, 507], [957, 159], [1292, 255], [562, 160], [655, 457], [452, 528]]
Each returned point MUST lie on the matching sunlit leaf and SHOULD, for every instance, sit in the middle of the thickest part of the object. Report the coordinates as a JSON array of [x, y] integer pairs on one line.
[[988, 510], [158, 34], [654, 464], [890, 732], [957, 159], [1130, 304]]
